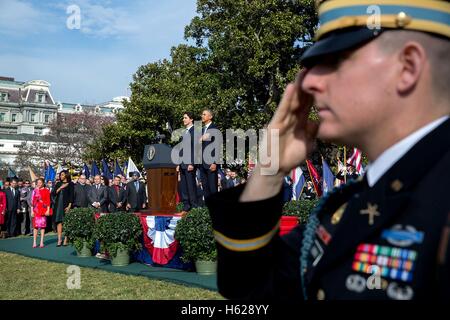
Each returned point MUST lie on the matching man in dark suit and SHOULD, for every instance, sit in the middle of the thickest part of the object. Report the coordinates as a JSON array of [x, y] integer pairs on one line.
[[287, 189], [98, 195], [116, 195], [24, 223], [188, 184], [209, 167], [135, 195], [12, 208], [226, 182], [51, 226], [80, 193], [385, 236], [349, 174]]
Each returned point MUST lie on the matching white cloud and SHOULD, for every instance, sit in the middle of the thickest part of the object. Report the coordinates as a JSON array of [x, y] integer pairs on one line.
[[136, 20], [18, 17], [104, 21]]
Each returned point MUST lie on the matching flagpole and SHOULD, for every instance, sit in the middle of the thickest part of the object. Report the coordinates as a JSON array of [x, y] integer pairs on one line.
[[301, 191], [312, 179], [345, 164]]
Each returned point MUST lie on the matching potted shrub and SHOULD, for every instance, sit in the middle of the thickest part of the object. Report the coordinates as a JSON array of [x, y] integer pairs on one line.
[[195, 234], [294, 212], [119, 233], [79, 228]]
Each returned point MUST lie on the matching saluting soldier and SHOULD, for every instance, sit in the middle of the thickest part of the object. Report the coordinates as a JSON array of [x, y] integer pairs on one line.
[[385, 236]]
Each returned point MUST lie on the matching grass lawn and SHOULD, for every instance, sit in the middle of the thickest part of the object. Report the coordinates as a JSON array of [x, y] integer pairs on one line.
[[27, 278]]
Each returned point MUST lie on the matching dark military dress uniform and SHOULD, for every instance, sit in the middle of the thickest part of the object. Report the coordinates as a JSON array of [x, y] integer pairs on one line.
[[390, 241]]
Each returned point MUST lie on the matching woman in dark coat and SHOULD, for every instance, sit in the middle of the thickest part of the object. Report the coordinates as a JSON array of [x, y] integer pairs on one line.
[[63, 195]]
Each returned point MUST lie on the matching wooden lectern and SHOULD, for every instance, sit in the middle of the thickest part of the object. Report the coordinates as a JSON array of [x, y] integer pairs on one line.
[[162, 180]]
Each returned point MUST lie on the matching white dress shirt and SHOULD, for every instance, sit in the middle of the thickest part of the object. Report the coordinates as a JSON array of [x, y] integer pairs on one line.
[[390, 156], [188, 128]]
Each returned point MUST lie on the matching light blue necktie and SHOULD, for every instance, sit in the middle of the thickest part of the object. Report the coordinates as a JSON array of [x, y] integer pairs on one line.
[[136, 184]]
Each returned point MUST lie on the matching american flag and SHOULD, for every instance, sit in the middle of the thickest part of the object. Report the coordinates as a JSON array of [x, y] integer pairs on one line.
[[355, 160], [298, 179]]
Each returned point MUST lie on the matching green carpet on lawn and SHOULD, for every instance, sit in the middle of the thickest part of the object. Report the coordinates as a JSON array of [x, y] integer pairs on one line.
[[23, 246]]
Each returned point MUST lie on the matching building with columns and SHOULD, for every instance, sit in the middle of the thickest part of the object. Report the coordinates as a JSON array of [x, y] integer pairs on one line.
[[27, 108]]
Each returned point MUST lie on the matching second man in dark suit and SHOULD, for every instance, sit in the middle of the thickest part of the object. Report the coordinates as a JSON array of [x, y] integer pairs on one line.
[[116, 196], [80, 194], [208, 169], [12, 208], [98, 195], [135, 194]]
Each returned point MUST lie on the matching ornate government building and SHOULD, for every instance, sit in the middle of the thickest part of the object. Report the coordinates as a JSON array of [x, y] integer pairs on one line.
[[27, 108]]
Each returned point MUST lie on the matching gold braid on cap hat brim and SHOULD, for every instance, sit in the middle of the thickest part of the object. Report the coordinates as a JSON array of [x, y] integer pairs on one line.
[[421, 15]]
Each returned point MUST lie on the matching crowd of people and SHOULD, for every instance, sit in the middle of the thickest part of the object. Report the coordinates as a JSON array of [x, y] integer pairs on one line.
[[27, 207], [308, 191]]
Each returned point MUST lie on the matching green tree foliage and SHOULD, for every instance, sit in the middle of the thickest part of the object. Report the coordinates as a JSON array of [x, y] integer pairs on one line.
[[254, 47], [239, 57]]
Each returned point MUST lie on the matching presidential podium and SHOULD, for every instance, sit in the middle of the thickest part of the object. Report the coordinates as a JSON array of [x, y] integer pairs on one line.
[[162, 180], [159, 246]]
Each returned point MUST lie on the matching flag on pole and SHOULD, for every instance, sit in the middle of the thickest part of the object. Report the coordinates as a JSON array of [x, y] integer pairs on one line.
[[328, 177], [299, 180], [44, 169], [94, 171], [315, 178], [85, 171], [105, 170], [355, 160], [50, 173], [118, 170], [125, 168], [33, 176], [11, 173], [131, 167], [341, 168]]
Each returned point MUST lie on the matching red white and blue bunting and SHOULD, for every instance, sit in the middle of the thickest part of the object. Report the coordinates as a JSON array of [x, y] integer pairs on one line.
[[159, 237]]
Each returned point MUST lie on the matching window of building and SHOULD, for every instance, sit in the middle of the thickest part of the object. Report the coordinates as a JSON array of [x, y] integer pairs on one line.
[[40, 97], [33, 117], [2, 116], [1, 145], [4, 97], [17, 145], [47, 118], [13, 117]]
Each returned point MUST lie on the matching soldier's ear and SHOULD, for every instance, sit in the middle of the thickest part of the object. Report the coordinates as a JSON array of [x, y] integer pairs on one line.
[[412, 59]]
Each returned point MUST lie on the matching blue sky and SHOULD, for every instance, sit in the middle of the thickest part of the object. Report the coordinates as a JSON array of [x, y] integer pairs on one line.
[[96, 62]]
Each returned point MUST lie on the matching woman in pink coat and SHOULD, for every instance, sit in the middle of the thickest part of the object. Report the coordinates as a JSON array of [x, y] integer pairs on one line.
[[41, 209]]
